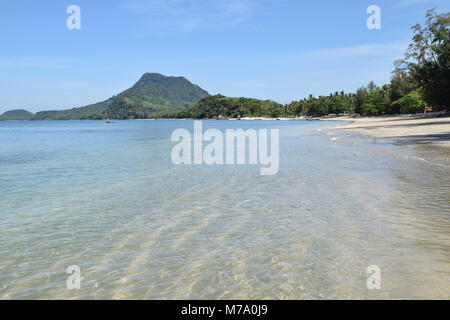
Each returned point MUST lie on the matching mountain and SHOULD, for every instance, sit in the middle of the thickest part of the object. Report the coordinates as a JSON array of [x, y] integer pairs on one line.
[[17, 115], [152, 96], [157, 90]]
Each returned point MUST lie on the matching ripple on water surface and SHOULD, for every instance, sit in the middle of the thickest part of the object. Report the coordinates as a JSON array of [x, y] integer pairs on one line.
[[108, 198]]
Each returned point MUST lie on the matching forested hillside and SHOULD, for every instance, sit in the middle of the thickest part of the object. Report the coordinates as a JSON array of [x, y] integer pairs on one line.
[[17, 115], [152, 96]]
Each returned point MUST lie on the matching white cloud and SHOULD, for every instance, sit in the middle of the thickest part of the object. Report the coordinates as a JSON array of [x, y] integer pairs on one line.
[[392, 50], [164, 16], [334, 69], [404, 3]]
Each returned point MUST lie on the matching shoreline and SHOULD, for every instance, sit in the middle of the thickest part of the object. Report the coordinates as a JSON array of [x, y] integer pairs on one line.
[[420, 128], [428, 134]]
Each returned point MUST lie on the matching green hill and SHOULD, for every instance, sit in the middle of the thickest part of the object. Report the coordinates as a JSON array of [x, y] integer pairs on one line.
[[17, 115], [93, 111], [152, 96], [219, 105]]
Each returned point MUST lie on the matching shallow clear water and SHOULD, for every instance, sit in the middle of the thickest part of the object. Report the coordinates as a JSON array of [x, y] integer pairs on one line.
[[106, 197]]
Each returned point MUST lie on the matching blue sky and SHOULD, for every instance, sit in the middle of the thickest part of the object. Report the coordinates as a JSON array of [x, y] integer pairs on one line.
[[281, 50]]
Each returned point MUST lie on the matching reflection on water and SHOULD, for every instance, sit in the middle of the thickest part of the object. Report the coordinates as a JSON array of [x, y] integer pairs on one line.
[[107, 198]]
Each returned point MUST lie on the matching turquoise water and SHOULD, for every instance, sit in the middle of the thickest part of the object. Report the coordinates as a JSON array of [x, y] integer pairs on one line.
[[106, 197]]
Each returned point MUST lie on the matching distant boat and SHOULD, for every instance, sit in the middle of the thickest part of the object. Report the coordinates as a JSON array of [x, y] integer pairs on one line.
[[110, 121]]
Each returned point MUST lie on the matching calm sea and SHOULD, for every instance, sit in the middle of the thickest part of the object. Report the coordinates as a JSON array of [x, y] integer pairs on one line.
[[107, 198]]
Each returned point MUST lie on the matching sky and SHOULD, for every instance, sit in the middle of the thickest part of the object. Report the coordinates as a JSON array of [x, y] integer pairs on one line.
[[268, 49]]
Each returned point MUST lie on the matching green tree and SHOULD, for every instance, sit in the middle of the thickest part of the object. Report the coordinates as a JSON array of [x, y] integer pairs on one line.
[[428, 59], [376, 102], [402, 83], [359, 100], [413, 102]]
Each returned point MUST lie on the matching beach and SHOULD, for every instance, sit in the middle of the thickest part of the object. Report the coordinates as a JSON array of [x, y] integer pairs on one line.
[[421, 128]]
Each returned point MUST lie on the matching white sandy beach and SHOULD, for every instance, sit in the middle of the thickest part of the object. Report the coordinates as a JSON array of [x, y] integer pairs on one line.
[[430, 128]]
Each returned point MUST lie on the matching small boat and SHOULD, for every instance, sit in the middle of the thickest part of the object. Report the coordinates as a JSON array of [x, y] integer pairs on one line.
[[110, 121]]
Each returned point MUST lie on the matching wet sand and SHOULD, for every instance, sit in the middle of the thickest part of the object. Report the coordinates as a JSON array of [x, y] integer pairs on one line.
[[433, 128]]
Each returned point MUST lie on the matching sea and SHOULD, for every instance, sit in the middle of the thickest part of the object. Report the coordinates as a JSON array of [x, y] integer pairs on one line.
[[95, 210]]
